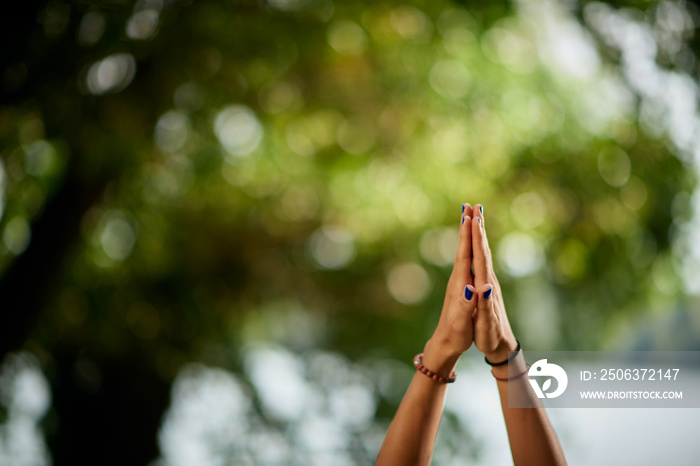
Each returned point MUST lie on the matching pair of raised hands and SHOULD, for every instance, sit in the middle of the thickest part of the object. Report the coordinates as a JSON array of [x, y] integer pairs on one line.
[[473, 311]]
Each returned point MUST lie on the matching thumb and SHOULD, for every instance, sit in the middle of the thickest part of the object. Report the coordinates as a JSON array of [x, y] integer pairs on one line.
[[469, 300], [485, 314]]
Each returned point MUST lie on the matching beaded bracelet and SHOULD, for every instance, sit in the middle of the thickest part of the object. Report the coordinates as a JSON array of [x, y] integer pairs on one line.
[[418, 362], [508, 379]]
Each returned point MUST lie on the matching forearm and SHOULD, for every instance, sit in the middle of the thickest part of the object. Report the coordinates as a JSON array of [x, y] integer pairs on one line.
[[531, 436], [412, 433], [411, 436]]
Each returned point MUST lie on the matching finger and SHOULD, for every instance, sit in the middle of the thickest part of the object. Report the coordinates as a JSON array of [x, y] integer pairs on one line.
[[491, 277], [467, 210], [479, 212], [485, 317], [480, 251], [483, 260], [470, 300], [463, 261]]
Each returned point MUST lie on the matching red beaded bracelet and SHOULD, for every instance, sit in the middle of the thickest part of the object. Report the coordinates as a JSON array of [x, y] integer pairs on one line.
[[508, 379], [418, 362]]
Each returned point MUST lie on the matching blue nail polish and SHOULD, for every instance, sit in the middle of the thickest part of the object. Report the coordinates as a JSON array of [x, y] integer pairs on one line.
[[462, 208], [468, 293], [463, 219], [481, 207], [478, 219], [487, 294]]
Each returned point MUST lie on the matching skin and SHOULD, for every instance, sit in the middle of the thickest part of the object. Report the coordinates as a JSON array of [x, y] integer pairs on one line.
[[482, 321]]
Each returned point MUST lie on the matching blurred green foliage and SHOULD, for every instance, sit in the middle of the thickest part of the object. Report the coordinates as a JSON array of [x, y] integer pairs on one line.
[[293, 171]]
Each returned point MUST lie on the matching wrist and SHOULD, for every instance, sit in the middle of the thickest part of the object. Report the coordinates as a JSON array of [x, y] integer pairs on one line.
[[500, 353], [439, 357]]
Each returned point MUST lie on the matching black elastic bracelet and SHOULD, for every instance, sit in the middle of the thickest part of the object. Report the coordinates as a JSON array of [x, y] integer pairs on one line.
[[494, 364]]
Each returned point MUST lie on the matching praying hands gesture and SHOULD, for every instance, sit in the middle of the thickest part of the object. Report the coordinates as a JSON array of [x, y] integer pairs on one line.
[[473, 312]]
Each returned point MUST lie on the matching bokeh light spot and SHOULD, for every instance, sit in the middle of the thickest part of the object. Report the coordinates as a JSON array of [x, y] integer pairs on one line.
[[356, 135], [142, 25], [570, 261], [353, 404], [563, 206], [284, 401], [439, 246], [17, 235], [663, 276], [25, 396], [412, 206], [520, 254], [450, 79], [31, 130], [324, 439], [641, 248], [238, 130], [298, 137], [111, 74], [39, 157], [347, 38], [332, 247], [613, 217], [614, 166], [457, 41], [411, 23], [528, 210], [280, 96], [188, 96], [452, 141], [172, 131], [408, 283], [634, 193], [55, 18], [91, 28], [300, 203], [23, 388], [117, 235], [208, 414], [3, 187], [509, 49]]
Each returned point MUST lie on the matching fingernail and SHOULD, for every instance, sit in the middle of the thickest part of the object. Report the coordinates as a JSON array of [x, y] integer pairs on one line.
[[487, 294], [468, 293], [462, 208], [463, 219], [478, 219], [481, 207]]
